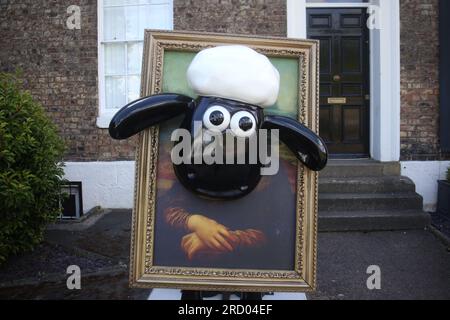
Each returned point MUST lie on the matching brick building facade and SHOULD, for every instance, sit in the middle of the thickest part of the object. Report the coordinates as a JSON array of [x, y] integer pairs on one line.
[[230, 16], [420, 80], [60, 66]]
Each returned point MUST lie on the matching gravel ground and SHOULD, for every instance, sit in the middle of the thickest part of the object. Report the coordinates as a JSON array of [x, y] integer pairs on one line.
[[101, 251], [113, 286], [47, 260]]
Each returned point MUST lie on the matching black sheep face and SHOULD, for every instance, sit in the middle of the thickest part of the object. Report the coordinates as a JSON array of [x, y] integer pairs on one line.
[[221, 115], [226, 118]]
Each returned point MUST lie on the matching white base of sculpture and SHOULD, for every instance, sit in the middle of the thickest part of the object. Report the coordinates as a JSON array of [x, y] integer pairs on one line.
[[175, 294]]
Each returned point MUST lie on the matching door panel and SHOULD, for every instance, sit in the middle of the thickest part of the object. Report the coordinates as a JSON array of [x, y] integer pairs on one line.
[[352, 90], [350, 55], [325, 55], [326, 120], [344, 73], [321, 21], [351, 128], [351, 20]]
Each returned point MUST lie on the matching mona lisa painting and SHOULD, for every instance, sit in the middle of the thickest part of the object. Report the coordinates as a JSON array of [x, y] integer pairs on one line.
[[192, 227]]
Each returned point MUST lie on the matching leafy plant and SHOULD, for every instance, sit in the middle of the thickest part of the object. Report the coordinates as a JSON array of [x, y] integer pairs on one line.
[[30, 169]]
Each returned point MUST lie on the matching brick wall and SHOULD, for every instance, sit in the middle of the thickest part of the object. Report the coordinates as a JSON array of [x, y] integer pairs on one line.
[[259, 17], [60, 69], [420, 80]]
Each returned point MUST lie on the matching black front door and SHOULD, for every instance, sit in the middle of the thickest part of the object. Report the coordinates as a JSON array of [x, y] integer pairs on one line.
[[344, 78]]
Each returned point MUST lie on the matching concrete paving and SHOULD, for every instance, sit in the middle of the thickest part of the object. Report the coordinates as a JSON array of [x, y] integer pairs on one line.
[[413, 264]]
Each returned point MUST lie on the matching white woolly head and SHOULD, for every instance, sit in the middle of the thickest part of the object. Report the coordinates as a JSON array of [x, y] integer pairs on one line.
[[235, 72]]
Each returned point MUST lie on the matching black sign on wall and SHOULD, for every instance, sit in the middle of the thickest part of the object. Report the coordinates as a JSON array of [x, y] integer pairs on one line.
[[444, 71]]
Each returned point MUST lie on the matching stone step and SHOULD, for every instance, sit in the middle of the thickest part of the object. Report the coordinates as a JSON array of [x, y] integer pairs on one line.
[[359, 168], [369, 201], [384, 184], [366, 195], [340, 221]]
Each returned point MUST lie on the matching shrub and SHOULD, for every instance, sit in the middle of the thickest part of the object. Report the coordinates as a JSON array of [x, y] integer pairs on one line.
[[30, 169]]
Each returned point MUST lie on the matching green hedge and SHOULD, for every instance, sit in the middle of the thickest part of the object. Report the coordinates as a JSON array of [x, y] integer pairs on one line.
[[30, 169]]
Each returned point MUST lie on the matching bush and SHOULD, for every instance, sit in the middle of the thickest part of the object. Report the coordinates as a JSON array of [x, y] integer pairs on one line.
[[30, 169]]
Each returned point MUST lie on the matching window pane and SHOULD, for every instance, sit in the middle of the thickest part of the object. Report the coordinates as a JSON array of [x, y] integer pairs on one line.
[[115, 92], [134, 57], [114, 2], [155, 1], [114, 25], [336, 1], [134, 85], [147, 1], [132, 2], [115, 59], [132, 22], [153, 17], [141, 17], [125, 22]]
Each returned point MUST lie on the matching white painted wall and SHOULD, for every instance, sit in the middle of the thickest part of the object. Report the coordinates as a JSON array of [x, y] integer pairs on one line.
[[425, 175], [106, 184], [385, 83], [296, 18]]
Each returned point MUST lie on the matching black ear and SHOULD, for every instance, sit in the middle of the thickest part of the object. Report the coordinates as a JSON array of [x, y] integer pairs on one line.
[[146, 112], [307, 146]]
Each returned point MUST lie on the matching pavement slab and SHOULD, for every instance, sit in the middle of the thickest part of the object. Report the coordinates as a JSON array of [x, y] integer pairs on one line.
[[413, 265]]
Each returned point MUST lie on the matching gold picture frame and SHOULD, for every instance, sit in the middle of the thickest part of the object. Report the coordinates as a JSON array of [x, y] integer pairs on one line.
[[143, 272]]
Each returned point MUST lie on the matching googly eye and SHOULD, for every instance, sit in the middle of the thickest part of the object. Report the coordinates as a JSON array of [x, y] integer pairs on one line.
[[243, 124], [216, 118]]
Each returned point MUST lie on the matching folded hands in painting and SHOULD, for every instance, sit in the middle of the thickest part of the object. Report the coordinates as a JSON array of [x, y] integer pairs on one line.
[[211, 238]]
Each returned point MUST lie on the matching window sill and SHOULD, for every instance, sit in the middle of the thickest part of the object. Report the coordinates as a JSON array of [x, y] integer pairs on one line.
[[104, 119]]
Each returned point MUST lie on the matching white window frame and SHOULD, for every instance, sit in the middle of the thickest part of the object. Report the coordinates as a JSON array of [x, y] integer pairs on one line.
[[384, 71], [105, 115]]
